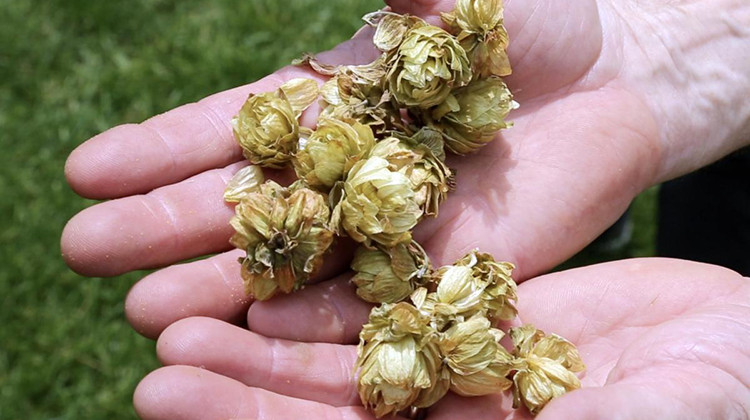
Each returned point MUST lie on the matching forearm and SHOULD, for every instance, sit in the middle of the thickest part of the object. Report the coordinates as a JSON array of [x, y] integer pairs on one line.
[[690, 61]]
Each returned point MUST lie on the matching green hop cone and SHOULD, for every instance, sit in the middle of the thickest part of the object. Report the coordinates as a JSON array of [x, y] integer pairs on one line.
[[427, 65], [478, 26], [284, 233], [472, 115], [330, 152], [422, 163], [375, 204], [478, 364], [389, 275], [545, 367], [267, 126], [398, 361]]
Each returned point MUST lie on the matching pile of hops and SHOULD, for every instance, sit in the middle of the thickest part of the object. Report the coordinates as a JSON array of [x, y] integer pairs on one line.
[[371, 170]]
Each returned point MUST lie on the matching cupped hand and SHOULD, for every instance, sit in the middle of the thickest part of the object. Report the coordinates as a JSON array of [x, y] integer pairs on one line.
[[588, 137], [661, 338]]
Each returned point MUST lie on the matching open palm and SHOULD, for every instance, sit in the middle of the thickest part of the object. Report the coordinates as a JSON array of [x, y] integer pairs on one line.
[[661, 338], [585, 142]]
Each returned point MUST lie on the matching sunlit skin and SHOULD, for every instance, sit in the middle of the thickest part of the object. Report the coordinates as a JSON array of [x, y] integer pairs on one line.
[[613, 100]]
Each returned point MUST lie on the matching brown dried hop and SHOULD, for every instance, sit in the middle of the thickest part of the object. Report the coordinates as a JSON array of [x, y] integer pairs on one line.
[[284, 232], [398, 361], [266, 126], [389, 275], [478, 364], [427, 65], [330, 152], [420, 158], [375, 203], [472, 115], [478, 25], [545, 367]]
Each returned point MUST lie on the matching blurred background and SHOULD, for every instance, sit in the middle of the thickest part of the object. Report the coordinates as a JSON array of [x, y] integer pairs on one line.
[[71, 69]]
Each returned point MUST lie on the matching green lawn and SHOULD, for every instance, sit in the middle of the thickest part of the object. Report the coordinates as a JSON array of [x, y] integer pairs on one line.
[[70, 69]]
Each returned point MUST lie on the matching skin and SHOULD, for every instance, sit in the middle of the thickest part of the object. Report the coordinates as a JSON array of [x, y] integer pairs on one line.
[[661, 339], [616, 97]]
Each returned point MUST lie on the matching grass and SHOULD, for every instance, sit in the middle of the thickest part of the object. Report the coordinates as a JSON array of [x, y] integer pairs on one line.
[[68, 70]]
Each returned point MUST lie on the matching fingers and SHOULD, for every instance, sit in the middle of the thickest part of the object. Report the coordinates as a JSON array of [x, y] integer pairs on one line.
[[189, 393], [316, 372], [136, 158], [211, 287], [328, 312], [169, 224]]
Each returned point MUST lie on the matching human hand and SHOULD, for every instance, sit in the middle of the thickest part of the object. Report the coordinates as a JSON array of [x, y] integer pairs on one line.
[[661, 339], [595, 128]]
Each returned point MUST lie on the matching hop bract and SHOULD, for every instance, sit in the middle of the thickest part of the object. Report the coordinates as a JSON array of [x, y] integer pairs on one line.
[[398, 360], [284, 234], [426, 66], [545, 367]]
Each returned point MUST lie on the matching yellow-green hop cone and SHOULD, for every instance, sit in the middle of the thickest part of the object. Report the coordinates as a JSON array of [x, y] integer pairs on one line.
[[420, 162], [478, 25], [475, 284], [545, 367], [329, 153], [427, 65], [375, 204], [479, 365], [284, 234], [472, 115], [389, 275], [267, 128], [500, 290], [398, 359], [244, 182]]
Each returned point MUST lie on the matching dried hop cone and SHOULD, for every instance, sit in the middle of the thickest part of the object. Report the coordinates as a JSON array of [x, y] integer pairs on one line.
[[475, 284], [478, 364], [427, 65], [267, 126], [284, 233], [389, 275], [330, 152], [545, 367], [420, 159], [398, 361], [375, 203], [478, 25], [500, 289], [472, 115]]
